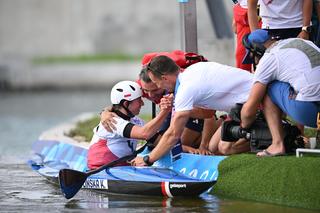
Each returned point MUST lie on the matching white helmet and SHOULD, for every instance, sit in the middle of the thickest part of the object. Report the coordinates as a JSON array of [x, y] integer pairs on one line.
[[125, 90]]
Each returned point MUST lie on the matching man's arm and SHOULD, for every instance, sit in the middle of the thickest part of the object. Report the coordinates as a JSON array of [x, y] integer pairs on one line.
[[168, 140], [252, 15], [306, 13], [249, 109]]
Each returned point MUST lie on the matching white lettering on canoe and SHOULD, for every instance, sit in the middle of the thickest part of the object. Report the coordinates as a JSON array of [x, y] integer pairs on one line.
[[95, 184], [206, 175], [194, 173], [183, 170]]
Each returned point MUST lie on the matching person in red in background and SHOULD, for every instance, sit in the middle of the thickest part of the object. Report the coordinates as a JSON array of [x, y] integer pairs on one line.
[[181, 58], [240, 25]]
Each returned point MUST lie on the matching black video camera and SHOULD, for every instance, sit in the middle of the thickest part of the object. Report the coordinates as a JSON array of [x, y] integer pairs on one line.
[[258, 134]]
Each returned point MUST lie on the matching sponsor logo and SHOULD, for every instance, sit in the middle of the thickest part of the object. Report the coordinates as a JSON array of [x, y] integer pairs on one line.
[[95, 184], [176, 185]]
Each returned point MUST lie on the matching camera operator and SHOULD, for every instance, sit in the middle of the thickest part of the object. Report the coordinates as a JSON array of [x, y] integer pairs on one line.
[[287, 80]]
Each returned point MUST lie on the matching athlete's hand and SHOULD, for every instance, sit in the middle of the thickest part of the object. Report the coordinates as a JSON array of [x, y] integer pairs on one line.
[[108, 121], [138, 161], [166, 102]]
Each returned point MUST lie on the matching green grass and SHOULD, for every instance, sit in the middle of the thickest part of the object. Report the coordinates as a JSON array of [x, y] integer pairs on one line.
[[84, 128], [285, 180], [86, 58]]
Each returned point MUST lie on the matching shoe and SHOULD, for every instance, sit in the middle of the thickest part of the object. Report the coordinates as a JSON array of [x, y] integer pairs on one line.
[[266, 153]]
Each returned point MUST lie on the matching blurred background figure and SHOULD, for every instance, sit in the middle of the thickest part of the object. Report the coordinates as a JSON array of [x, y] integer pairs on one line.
[[240, 25], [315, 19]]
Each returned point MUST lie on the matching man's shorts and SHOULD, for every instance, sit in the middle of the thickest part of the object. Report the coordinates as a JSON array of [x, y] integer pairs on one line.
[[194, 124], [303, 112]]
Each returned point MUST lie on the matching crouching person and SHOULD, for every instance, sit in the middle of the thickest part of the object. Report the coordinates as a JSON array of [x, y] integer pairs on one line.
[[126, 102], [287, 80]]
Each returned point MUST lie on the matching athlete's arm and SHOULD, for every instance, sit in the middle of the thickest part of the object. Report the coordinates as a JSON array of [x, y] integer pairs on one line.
[[149, 129]]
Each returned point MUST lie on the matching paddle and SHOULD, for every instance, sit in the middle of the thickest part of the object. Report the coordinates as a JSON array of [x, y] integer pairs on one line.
[[71, 180]]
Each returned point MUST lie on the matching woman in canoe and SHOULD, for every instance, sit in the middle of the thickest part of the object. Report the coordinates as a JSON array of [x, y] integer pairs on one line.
[[126, 102]]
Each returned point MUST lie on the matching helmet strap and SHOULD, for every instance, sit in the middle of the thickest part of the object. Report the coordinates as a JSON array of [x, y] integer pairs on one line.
[[130, 114], [122, 115]]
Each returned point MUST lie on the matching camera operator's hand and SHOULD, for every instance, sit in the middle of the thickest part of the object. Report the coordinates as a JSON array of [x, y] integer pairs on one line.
[[250, 107], [243, 132], [235, 112]]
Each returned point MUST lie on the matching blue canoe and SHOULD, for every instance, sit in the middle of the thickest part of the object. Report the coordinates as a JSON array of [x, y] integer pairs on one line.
[[190, 175]]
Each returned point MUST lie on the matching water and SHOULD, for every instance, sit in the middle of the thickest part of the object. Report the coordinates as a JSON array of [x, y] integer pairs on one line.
[[24, 116]]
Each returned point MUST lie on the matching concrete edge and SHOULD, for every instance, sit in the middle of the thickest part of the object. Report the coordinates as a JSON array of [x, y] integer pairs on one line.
[[58, 133]]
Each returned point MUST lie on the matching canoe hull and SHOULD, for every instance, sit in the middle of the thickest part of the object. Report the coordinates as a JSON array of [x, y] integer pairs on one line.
[[169, 189], [178, 180]]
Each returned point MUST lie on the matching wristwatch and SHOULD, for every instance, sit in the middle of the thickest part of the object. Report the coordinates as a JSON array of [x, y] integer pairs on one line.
[[146, 159], [306, 29]]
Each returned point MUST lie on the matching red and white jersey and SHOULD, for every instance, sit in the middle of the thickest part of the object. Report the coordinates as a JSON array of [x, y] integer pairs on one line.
[[115, 141]]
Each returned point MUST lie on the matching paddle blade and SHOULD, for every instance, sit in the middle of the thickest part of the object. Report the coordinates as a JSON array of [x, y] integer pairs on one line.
[[71, 181]]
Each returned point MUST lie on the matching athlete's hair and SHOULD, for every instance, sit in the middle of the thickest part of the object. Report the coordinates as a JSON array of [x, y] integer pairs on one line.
[[161, 65]]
